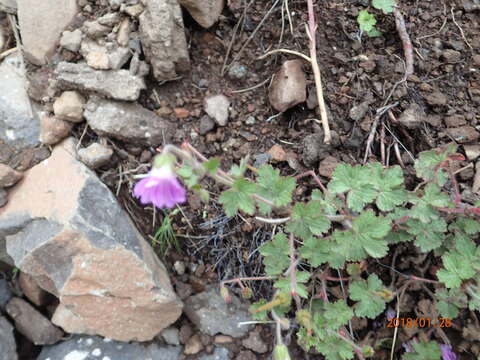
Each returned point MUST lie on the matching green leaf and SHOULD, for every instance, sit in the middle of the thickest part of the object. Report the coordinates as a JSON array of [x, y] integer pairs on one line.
[[237, 171], [261, 315], [212, 165], [271, 186], [276, 254], [239, 197], [388, 184], [456, 269], [337, 314], [449, 302], [424, 351], [386, 6], [334, 348], [434, 196], [427, 236], [370, 303], [318, 251], [356, 181], [285, 284], [188, 175], [367, 236], [428, 164], [366, 21], [330, 204], [307, 220], [467, 225]]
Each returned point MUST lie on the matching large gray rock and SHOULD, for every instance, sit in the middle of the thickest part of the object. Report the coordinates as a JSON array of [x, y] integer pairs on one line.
[[19, 120], [126, 121], [41, 24], [163, 38], [5, 293], [65, 228], [205, 12], [95, 348], [212, 315], [114, 84], [8, 348]]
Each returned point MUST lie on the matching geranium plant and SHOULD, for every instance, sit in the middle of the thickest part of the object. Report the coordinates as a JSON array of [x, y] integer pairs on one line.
[[341, 228]]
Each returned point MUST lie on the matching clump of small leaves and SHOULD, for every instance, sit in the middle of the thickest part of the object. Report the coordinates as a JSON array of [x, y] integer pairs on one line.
[[367, 20], [355, 220], [164, 238]]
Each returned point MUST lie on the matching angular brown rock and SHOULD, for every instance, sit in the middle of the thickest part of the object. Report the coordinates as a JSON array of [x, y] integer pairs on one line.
[[65, 228], [32, 291], [289, 86], [8, 176]]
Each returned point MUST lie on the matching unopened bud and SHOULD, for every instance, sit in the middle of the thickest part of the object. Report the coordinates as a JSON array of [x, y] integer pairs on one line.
[[224, 293], [368, 351], [247, 293], [280, 352]]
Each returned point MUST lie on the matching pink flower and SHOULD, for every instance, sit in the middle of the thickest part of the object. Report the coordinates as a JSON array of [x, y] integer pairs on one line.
[[161, 188], [447, 352]]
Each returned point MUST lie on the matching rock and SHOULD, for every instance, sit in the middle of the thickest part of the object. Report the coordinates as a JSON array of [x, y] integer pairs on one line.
[[136, 124], [246, 355], [464, 134], [32, 291], [19, 120], [312, 148], [40, 34], [413, 117], [94, 347], [69, 106], [223, 339], [171, 336], [288, 87], [33, 325], [163, 38], [206, 124], [179, 267], [277, 153], [119, 57], [205, 12], [436, 98], [472, 151], [95, 155], [134, 10], [254, 342], [71, 40], [53, 130], [220, 353], [359, 111], [66, 229], [455, 120], [327, 166], [8, 176], [8, 6], [451, 56], [181, 113], [476, 59], [109, 19], [98, 60], [115, 84], [5, 293], [94, 29], [476, 179], [8, 348], [212, 315], [237, 72], [2, 38], [216, 106], [193, 345], [3, 202], [123, 35]]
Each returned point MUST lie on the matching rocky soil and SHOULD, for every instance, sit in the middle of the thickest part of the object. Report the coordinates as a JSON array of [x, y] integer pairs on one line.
[[90, 89]]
